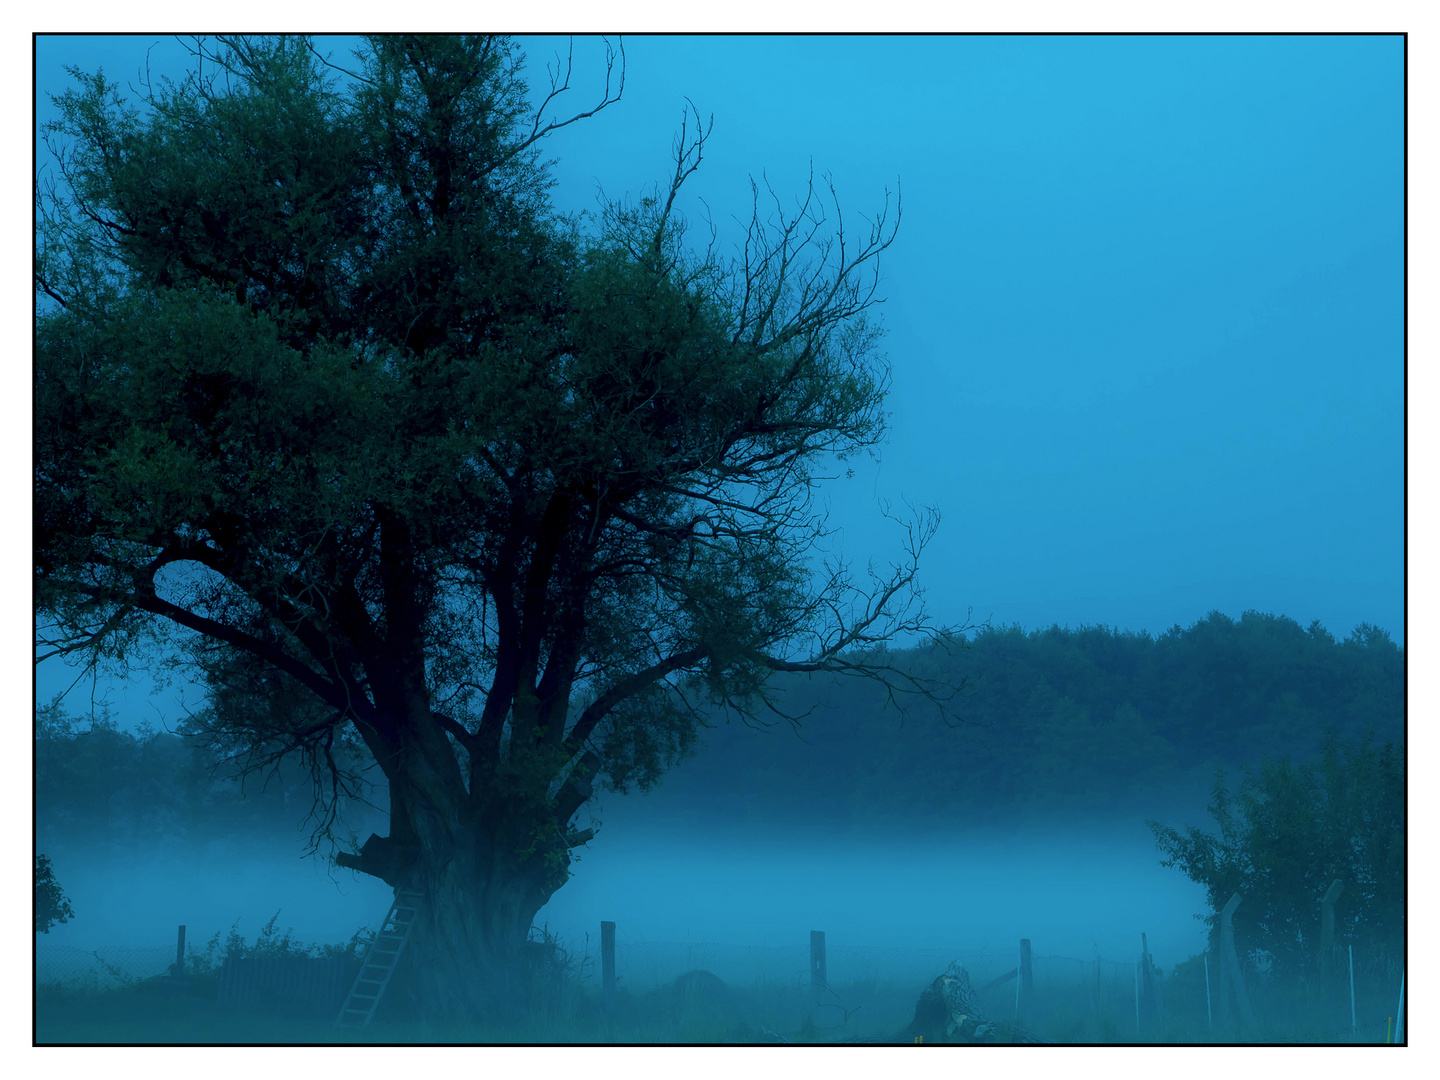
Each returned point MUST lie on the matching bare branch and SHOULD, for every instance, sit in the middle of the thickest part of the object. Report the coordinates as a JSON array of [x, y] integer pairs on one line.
[[625, 688], [539, 129]]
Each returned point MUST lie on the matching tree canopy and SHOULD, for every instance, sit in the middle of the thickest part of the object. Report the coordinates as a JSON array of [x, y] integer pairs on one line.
[[1290, 831], [330, 398]]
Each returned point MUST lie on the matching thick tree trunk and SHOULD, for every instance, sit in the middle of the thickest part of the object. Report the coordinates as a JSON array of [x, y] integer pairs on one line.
[[466, 958], [483, 864], [482, 881]]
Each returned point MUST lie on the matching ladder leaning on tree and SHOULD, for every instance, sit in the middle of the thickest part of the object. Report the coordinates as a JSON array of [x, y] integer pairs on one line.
[[380, 960]]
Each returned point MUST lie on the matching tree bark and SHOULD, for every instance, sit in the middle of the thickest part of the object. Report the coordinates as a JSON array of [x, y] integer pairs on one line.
[[483, 869], [466, 959]]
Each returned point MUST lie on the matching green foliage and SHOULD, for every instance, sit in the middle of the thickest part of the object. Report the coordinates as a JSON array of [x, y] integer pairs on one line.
[[405, 463], [1288, 833], [1055, 722], [52, 906], [269, 943]]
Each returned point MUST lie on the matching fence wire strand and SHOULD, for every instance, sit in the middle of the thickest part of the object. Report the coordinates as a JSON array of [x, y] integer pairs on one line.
[[1097, 985]]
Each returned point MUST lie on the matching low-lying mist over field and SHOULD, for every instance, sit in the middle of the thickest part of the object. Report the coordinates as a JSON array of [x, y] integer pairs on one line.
[[1027, 818], [1068, 890], [910, 842], [973, 890]]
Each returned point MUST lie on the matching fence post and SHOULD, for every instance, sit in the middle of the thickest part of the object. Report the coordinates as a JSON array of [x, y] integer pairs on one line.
[[1147, 983], [1352, 990], [1099, 987], [180, 953], [1230, 966], [607, 959], [817, 964], [1209, 1015], [1137, 999], [1400, 1011], [1026, 997], [1327, 932]]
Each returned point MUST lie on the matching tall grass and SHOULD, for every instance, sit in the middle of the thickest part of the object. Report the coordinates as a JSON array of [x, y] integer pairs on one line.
[[566, 1007], [149, 1011]]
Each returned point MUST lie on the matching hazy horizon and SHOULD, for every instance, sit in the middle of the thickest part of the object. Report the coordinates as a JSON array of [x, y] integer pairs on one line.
[[977, 890]]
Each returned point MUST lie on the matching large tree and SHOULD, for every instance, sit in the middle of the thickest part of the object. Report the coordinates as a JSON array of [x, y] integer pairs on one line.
[[329, 397]]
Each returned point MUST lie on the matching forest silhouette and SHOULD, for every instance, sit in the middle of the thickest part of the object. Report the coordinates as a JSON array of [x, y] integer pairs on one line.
[[1051, 723]]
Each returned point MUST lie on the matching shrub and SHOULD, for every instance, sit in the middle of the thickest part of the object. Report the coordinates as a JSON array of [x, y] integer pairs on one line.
[[52, 906]]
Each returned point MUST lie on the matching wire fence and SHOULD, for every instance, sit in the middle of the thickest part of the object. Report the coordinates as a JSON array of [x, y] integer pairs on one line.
[[106, 968], [1073, 999], [642, 965], [645, 965]]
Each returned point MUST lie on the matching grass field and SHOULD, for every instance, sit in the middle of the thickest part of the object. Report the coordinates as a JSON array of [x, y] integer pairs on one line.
[[150, 1011], [145, 1013]]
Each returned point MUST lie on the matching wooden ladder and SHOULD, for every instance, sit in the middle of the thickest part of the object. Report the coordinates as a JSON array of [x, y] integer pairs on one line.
[[380, 960]]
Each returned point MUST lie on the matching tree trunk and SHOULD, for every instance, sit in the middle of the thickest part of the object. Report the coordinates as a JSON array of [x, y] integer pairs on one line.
[[482, 879], [466, 958]]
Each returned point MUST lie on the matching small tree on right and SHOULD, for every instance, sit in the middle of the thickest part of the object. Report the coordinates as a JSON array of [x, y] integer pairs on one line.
[[1290, 831], [52, 906]]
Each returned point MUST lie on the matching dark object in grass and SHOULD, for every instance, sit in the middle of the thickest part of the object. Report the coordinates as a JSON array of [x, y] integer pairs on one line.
[[947, 1012], [693, 995]]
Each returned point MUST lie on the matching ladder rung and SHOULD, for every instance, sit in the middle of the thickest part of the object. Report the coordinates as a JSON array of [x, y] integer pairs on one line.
[[380, 959]]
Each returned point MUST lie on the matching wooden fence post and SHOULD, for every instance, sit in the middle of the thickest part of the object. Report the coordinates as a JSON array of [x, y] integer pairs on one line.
[[1209, 1013], [1400, 1011], [817, 964], [1099, 987], [1230, 967], [1026, 997], [607, 959], [1147, 984], [1137, 999], [1327, 933], [1352, 990]]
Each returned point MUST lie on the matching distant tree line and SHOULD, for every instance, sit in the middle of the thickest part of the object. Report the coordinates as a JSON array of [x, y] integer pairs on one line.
[[1051, 722], [99, 784], [1056, 721]]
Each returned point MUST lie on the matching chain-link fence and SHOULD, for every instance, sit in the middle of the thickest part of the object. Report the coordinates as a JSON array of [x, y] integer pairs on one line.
[[99, 969]]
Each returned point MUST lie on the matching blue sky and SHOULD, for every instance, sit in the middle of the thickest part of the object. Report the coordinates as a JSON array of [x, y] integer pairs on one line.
[[1145, 312]]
